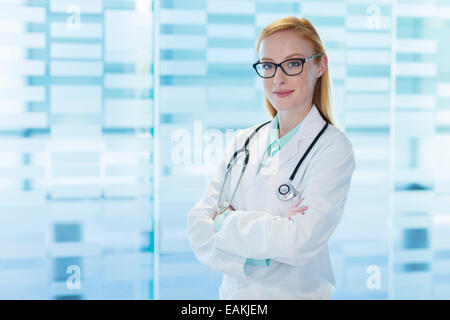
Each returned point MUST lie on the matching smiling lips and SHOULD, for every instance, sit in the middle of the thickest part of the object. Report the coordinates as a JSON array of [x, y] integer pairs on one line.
[[282, 93]]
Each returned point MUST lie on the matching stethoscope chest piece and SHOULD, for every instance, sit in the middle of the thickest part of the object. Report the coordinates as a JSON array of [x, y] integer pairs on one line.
[[286, 191]]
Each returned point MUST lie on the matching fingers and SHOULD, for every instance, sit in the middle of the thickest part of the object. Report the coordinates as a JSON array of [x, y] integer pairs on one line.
[[294, 211], [298, 202]]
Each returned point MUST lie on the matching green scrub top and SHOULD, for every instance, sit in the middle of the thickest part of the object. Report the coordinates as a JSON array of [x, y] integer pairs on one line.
[[274, 143]]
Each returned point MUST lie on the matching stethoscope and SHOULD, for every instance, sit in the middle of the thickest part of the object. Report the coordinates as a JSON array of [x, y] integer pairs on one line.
[[285, 191]]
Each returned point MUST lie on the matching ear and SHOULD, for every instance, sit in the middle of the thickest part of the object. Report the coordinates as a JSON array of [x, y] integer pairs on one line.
[[323, 65]]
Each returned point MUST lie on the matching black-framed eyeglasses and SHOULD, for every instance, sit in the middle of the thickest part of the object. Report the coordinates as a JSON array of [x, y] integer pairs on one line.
[[291, 67]]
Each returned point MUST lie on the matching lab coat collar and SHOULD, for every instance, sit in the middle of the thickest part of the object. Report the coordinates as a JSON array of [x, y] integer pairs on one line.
[[311, 124]]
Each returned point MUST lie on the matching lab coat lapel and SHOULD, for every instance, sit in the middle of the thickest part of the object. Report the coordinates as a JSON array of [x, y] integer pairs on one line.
[[309, 128]]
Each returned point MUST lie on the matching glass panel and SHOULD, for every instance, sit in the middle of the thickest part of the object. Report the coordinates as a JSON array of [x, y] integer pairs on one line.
[[76, 124]]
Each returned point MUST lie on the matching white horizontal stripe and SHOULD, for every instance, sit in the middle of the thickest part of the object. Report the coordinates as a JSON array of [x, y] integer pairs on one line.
[[11, 53], [22, 13], [263, 19], [75, 191], [76, 50], [21, 145], [76, 68], [128, 190], [443, 12], [76, 99], [369, 178], [23, 68], [443, 118], [322, 8], [241, 7], [338, 71], [367, 84], [22, 251], [23, 198], [26, 94], [187, 67], [138, 56], [183, 42], [416, 10], [368, 57], [85, 6], [417, 101], [331, 33], [11, 27], [371, 153], [24, 120], [128, 113], [368, 39], [230, 31], [178, 107], [11, 105], [336, 56], [86, 30], [365, 101], [27, 40], [443, 89], [182, 94], [368, 23], [231, 55], [230, 94], [416, 45], [418, 69], [174, 16], [74, 249], [369, 2], [132, 81], [75, 130]]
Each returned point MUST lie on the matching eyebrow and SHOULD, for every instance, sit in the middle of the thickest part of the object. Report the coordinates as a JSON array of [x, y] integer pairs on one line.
[[291, 55]]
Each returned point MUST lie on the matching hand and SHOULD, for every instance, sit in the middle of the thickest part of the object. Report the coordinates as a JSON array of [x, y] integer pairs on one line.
[[230, 207], [295, 209]]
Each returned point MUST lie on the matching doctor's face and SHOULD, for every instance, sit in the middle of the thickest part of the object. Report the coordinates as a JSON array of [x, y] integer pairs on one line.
[[288, 92]]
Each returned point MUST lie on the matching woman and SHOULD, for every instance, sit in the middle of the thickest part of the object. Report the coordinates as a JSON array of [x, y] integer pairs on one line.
[[265, 243]]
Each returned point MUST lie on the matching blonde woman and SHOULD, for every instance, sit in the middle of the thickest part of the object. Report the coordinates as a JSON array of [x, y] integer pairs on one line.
[[271, 206]]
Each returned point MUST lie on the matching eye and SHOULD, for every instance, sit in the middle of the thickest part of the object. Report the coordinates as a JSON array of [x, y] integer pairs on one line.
[[294, 63], [266, 66]]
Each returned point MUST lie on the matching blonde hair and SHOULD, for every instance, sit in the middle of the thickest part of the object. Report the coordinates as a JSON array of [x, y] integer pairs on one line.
[[322, 96]]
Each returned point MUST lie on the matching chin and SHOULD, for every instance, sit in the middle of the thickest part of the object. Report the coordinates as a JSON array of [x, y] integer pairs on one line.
[[282, 107]]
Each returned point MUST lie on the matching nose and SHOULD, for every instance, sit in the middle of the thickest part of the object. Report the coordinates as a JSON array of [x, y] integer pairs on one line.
[[279, 77]]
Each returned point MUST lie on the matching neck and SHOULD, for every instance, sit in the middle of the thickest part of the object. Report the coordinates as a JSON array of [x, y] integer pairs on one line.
[[289, 119]]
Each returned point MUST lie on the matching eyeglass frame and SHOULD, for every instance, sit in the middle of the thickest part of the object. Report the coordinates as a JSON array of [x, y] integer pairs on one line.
[[303, 60]]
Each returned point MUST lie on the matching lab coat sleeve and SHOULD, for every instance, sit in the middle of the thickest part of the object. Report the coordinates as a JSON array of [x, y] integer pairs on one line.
[[261, 235], [218, 224], [200, 225]]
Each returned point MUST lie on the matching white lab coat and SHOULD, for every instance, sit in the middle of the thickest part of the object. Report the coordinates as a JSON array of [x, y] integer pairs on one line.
[[300, 266]]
